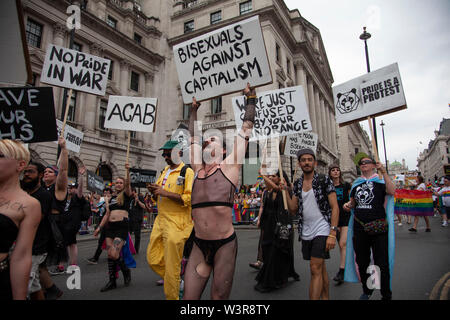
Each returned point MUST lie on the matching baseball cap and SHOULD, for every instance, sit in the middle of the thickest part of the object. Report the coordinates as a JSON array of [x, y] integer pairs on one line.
[[169, 145]]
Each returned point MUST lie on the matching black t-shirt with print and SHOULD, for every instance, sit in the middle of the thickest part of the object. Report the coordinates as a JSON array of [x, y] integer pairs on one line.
[[369, 198]]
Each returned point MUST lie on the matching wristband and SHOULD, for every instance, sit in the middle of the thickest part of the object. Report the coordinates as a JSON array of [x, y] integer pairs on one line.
[[251, 100], [331, 236]]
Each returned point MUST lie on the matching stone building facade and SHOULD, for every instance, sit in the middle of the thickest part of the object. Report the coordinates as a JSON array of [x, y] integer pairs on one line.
[[138, 37]]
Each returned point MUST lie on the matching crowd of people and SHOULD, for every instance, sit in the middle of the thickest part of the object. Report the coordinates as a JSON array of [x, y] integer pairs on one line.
[[193, 235]]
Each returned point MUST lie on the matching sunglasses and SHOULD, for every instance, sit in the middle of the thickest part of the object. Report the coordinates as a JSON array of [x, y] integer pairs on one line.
[[367, 162], [166, 154]]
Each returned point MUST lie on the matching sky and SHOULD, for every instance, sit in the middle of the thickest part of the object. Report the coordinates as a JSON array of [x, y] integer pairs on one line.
[[413, 33]]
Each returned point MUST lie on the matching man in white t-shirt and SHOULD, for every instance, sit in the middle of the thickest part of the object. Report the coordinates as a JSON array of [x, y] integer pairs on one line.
[[445, 193]]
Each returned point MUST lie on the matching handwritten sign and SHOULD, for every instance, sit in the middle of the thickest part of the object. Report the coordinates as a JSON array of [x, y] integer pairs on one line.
[[27, 114], [278, 113], [373, 94], [222, 61], [73, 137], [68, 68], [300, 141], [131, 113]]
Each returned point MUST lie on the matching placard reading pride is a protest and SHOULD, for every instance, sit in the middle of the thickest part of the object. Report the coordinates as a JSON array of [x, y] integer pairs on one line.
[[68, 68], [222, 61], [131, 113], [278, 113], [73, 137]]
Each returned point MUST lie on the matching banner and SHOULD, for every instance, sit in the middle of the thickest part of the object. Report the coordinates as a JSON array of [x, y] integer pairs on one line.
[[373, 94], [73, 137], [140, 177], [300, 141], [131, 113], [413, 202], [68, 68], [95, 183], [27, 114], [279, 113], [222, 61]]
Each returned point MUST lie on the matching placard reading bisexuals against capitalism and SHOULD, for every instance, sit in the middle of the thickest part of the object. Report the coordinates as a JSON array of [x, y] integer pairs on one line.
[[222, 61], [131, 113], [373, 94], [296, 142], [27, 114], [278, 113], [68, 68], [73, 137]]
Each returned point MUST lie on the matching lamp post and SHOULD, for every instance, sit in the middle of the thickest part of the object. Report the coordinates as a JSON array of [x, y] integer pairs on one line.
[[384, 144], [365, 36]]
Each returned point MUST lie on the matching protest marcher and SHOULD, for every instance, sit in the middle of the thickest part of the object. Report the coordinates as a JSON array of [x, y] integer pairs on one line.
[[215, 243], [19, 219], [137, 208], [342, 193], [421, 187], [115, 222], [278, 238], [173, 225], [314, 198], [31, 183], [371, 227], [444, 192], [101, 207]]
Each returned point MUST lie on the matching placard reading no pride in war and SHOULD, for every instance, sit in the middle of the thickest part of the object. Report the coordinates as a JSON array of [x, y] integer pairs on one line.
[[68, 68], [300, 141], [131, 113], [222, 61], [373, 94], [73, 137], [278, 113]]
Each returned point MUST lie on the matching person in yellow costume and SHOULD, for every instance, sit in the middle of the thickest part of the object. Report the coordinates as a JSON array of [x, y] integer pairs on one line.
[[173, 225]]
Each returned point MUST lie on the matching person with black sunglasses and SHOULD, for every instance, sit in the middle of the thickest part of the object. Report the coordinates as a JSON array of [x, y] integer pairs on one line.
[[173, 225]]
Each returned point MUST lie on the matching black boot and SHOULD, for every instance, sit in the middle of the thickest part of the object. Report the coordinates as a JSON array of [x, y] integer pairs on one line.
[[125, 270], [112, 276]]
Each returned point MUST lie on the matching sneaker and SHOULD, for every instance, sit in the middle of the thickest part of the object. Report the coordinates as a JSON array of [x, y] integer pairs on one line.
[[339, 278], [92, 261], [412, 230], [160, 282], [56, 271], [364, 297], [445, 224], [400, 224], [256, 265], [428, 230]]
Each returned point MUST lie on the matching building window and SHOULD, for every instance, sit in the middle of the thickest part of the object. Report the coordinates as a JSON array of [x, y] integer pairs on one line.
[[132, 134], [111, 68], [102, 114], [105, 172], [72, 173], [34, 81], [245, 7], [288, 66], [216, 17], [186, 111], [216, 105], [134, 84], [137, 38], [77, 47], [111, 22], [189, 3], [72, 107], [189, 26], [34, 33], [278, 52]]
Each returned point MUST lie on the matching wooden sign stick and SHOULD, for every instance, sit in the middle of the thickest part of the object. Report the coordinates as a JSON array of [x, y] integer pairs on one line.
[[128, 146], [280, 169], [374, 146], [66, 113]]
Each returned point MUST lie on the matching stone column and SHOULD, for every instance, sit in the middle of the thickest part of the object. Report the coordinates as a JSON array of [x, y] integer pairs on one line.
[[124, 81], [148, 92], [59, 35], [325, 125], [320, 116], [327, 121], [311, 105], [333, 129], [92, 105]]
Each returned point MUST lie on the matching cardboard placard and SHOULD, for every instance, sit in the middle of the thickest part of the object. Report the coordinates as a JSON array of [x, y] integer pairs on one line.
[[140, 177], [81, 71], [27, 114], [222, 61], [373, 94], [73, 137], [131, 113], [95, 183], [300, 141], [279, 113]]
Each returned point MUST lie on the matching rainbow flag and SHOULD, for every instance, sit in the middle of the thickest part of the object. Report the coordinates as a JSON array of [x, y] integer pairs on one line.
[[236, 213], [413, 202]]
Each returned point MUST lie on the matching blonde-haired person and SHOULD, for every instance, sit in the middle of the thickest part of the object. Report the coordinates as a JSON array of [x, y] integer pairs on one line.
[[20, 215]]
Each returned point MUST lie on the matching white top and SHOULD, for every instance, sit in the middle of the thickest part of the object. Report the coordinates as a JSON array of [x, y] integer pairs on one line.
[[422, 187], [446, 196], [314, 223]]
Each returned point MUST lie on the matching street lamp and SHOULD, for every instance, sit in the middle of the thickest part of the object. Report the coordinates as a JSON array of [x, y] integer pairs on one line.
[[365, 36], [384, 144]]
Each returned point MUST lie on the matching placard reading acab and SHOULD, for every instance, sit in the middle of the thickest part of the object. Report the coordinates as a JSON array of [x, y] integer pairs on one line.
[[222, 61], [68, 68]]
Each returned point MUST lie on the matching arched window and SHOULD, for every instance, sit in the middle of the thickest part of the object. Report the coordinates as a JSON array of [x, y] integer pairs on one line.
[[105, 172], [73, 171]]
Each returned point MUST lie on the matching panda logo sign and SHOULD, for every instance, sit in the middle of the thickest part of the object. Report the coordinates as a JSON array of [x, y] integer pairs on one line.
[[347, 101]]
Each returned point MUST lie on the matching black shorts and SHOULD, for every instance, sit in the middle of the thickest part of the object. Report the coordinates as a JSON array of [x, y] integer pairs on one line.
[[117, 229], [315, 248]]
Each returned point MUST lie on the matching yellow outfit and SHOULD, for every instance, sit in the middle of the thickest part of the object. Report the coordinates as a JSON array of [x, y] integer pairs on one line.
[[171, 229]]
